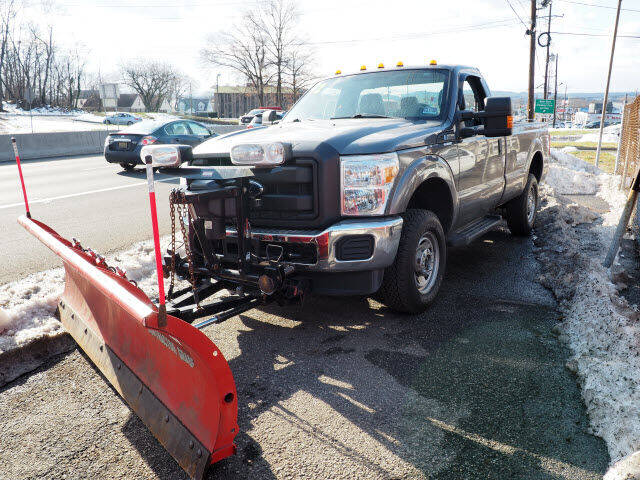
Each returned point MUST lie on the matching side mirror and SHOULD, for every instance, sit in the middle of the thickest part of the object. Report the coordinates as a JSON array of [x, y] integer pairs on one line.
[[497, 117]]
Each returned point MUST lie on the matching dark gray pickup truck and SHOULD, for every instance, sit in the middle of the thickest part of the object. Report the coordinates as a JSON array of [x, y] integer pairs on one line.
[[368, 179]]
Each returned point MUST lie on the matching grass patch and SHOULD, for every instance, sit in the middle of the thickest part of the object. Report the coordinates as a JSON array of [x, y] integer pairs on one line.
[[607, 159], [567, 143], [564, 133]]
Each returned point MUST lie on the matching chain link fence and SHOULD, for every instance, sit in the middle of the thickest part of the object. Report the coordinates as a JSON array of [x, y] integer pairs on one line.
[[628, 159]]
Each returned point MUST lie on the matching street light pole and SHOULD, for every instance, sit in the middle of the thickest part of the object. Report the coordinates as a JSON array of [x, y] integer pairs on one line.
[[606, 92], [555, 94], [532, 61]]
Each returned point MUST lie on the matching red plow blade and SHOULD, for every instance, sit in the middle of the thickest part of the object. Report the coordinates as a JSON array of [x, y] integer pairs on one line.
[[173, 377]]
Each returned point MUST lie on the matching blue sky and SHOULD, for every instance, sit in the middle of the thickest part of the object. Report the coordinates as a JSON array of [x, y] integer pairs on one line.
[[348, 33]]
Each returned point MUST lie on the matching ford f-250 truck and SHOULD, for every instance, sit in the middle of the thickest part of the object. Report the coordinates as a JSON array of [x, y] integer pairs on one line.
[[368, 179]]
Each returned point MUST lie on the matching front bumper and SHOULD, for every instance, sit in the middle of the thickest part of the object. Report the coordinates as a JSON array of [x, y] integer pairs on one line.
[[385, 232]]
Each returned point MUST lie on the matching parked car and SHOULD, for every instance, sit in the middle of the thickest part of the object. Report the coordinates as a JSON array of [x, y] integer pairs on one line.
[[124, 146], [266, 118], [247, 117], [121, 119]]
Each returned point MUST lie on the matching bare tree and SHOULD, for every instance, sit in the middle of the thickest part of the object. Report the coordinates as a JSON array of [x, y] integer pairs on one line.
[[7, 16], [179, 88], [299, 74], [244, 51], [153, 81], [279, 22]]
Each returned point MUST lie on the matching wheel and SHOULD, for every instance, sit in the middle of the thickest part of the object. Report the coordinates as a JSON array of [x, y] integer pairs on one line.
[[129, 123], [521, 211], [128, 167], [412, 282], [108, 122]]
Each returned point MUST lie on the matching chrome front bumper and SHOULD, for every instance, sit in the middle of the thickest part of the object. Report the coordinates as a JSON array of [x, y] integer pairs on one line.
[[385, 232]]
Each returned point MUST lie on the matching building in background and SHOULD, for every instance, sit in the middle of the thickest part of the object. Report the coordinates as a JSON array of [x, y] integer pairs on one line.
[[200, 106], [232, 102], [89, 100], [130, 102]]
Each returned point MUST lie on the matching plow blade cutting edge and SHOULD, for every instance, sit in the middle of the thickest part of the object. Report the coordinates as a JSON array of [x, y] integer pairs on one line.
[[173, 377]]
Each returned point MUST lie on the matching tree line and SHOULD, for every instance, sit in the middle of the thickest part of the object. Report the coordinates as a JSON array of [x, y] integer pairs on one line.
[[34, 70], [266, 49]]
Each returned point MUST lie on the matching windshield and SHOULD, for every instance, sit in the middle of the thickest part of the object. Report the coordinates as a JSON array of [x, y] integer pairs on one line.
[[414, 94]]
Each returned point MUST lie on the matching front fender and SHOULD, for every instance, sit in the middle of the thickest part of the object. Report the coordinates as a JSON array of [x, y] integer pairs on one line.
[[416, 172]]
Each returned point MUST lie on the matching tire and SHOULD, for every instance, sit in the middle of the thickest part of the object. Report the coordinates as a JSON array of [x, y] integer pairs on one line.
[[520, 217], [400, 288], [127, 167], [108, 122], [129, 123]]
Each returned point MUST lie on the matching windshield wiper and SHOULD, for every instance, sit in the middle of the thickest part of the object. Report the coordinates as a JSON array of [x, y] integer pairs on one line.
[[361, 115]]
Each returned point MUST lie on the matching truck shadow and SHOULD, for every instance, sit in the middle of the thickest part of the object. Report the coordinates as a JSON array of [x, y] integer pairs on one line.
[[473, 388]]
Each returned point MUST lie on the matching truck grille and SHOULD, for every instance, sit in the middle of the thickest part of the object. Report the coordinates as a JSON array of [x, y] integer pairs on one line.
[[289, 192]]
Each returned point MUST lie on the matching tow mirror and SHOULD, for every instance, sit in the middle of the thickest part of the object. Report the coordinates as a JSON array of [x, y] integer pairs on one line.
[[497, 117]]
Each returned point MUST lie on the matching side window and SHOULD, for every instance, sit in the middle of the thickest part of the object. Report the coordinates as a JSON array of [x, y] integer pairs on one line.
[[198, 129], [473, 95], [176, 128]]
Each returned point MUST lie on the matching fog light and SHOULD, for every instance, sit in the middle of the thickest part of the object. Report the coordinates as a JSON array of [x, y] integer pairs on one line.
[[266, 284]]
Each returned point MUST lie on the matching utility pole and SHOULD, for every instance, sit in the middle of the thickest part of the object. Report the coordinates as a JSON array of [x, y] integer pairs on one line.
[[555, 94], [606, 91], [532, 61], [546, 70]]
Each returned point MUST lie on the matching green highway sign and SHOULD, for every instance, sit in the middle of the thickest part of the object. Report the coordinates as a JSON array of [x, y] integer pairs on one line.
[[545, 106]]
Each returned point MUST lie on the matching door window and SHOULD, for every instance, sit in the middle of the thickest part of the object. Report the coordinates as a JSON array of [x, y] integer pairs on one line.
[[198, 129], [177, 128]]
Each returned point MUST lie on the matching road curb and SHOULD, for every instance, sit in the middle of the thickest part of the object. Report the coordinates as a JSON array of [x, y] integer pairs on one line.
[[25, 359]]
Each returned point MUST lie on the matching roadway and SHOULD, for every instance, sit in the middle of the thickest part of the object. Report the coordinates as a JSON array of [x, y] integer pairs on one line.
[[104, 207]]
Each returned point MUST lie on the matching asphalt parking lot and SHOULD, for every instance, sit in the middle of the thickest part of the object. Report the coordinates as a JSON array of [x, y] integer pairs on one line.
[[343, 388]]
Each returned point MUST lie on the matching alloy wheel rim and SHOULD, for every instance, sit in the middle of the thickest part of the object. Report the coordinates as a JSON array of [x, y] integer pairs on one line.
[[427, 262], [531, 204]]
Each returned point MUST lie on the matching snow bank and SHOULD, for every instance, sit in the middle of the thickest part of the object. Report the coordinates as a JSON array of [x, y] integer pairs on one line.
[[27, 306], [13, 109], [599, 326], [569, 175]]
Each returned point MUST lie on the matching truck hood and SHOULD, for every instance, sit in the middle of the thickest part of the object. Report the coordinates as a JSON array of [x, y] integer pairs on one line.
[[346, 137]]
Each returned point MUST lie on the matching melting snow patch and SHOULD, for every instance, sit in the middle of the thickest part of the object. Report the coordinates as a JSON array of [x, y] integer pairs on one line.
[[599, 325], [28, 306]]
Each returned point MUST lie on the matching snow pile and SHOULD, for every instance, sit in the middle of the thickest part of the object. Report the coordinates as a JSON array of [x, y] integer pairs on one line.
[[600, 327], [606, 137], [48, 110], [28, 306], [569, 175]]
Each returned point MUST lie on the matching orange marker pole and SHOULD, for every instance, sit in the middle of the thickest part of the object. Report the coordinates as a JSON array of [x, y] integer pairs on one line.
[[162, 309], [24, 190]]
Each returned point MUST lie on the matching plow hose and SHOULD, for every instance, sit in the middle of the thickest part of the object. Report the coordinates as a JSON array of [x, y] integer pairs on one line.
[[173, 377]]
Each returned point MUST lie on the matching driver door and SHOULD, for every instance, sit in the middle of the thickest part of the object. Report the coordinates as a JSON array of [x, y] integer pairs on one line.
[[472, 156]]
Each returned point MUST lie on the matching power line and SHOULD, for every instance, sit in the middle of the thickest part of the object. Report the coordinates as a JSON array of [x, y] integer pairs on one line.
[[509, 22], [598, 5], [516, 13], [594, 34]]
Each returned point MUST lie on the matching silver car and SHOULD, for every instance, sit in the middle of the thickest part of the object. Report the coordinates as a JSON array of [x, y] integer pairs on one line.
[[121, 119]]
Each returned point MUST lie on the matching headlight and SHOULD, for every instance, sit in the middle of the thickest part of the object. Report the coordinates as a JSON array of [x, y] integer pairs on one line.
[[366, 181], [162, 155], [258, 155]]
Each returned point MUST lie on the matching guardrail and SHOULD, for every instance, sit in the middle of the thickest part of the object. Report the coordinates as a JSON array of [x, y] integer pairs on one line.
[[52, 144], [58, 144]]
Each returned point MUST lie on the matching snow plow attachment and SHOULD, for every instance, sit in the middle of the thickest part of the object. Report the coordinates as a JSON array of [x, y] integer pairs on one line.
[[173, 377]]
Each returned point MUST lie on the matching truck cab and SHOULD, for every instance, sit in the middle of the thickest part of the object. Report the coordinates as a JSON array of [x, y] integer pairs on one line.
[[371, 176]]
